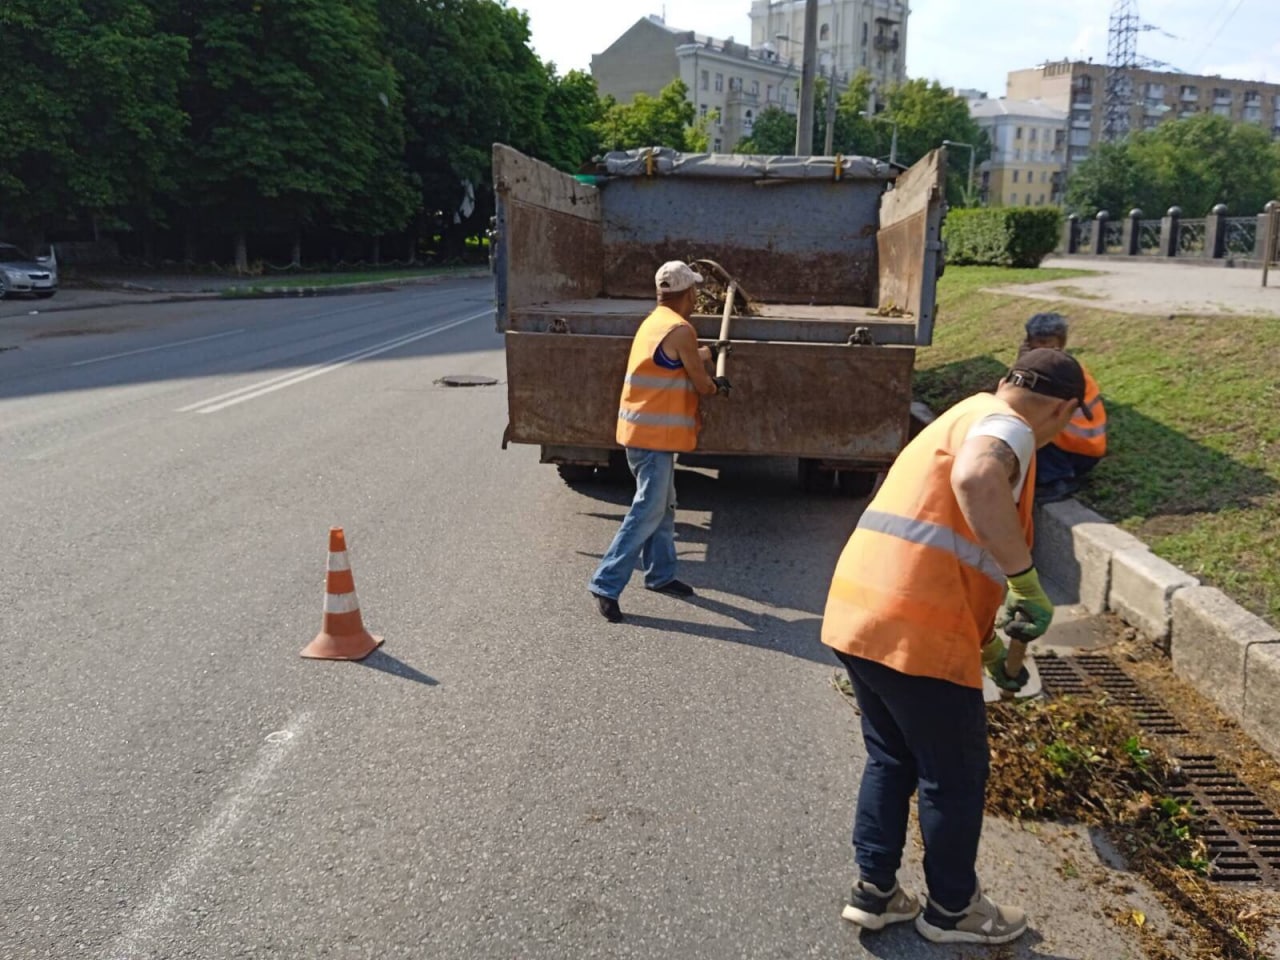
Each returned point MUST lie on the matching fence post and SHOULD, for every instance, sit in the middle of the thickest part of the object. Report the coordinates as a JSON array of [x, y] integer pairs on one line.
[[1271, 250], [1215, 233], [1100, 234], [1071, 234], [1260, 238], [1169, 228], [1133, 233]]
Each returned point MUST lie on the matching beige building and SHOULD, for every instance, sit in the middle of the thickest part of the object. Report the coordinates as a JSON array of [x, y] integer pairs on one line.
[[1028, 157], [1080, 89], [728, 82], [853, 35]]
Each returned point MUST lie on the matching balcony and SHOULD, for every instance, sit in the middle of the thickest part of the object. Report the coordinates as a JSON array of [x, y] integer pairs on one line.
[[887, 44], [742, 98], [1190, 95]]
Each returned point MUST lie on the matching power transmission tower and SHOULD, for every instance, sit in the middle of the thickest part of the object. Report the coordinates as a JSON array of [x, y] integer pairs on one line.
[[1122, 57]]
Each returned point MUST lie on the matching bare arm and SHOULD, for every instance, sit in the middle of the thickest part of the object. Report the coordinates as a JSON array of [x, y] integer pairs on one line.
[[983, 477], [683, 343]]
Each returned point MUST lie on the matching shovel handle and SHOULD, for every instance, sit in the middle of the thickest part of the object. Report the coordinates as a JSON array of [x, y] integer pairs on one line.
[[1015, 657], [724, 325]]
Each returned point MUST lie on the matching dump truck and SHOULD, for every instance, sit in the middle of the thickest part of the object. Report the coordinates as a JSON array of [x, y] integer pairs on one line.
[[839, 258]]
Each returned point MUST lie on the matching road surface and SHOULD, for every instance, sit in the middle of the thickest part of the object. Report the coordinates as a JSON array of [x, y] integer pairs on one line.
[[509, 776]]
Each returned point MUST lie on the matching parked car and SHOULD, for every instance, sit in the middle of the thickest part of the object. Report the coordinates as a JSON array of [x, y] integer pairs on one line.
[[23, 273]]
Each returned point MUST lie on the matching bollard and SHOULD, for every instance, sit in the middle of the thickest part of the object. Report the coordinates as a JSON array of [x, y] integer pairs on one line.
[[1215, 233], [1100, 233], [1169, 228], [1071, 234], [1133, 233]]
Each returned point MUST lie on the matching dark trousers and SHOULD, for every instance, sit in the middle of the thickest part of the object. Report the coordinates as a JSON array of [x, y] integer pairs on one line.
[[1054, 464], [927, 735]]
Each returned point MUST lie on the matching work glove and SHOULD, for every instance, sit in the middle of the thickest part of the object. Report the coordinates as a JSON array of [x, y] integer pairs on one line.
[[1027, 611], [719, 347], [722, 385], [994, 653]]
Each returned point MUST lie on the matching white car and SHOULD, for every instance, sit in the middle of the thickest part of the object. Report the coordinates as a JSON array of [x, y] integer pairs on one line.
[[21, 273]]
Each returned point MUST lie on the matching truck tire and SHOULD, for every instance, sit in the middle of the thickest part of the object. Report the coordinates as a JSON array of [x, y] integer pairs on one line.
[[813, 479], [856, 483], [575, 473]]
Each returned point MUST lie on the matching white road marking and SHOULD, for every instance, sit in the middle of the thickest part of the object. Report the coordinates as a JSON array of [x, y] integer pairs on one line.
[[157, 911], [255, 390], [163, 346]]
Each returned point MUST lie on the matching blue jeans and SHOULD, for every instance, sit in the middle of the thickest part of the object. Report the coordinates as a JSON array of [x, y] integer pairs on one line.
[[925, 734], [648, 533], [1054, 464]]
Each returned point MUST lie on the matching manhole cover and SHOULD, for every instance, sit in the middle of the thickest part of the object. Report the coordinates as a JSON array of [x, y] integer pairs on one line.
[[466, 380]]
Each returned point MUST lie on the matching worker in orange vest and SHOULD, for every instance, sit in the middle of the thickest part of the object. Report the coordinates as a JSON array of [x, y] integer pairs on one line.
[[657, 418], [1064, 462], [942, 550]]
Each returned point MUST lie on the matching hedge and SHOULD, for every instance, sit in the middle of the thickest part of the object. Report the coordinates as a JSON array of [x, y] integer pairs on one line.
[[1002, 236]]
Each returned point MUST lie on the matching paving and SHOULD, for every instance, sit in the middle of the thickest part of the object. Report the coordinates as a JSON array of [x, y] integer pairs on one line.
[[1158, 288], [509, 776]]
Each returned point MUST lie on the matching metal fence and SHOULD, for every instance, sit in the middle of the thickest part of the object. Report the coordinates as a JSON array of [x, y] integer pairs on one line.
[[1242, 236], [1191, 237], [1149, 236], [1113, 236]]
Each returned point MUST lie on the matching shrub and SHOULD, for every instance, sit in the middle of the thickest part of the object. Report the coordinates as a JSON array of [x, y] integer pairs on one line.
[[1002, 236]]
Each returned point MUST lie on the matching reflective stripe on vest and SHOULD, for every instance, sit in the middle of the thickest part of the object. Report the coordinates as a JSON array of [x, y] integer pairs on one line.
[[1087, 437], [914, 589], [935, 535], [658, 409]]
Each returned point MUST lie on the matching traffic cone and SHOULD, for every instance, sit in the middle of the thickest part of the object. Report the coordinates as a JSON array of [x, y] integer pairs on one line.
[[342, 634]]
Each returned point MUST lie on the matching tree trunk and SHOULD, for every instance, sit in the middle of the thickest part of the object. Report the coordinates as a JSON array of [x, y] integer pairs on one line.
[[377, 251], [297, 250], [242, 253], [189, 243]]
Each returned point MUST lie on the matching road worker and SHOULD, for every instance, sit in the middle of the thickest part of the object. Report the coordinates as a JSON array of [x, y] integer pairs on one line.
[[941, 549], [1063, 463], [657, 418]]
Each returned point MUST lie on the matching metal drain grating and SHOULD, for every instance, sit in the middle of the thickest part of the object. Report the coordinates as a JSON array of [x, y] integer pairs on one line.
[[1248, 855]]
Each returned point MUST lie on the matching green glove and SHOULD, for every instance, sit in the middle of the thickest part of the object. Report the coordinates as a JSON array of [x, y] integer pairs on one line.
[[1027, 610], [992, 652], [993, 657]]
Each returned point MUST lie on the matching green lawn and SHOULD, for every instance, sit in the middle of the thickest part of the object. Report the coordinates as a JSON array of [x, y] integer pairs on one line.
[[340, 279], [1194, 403]]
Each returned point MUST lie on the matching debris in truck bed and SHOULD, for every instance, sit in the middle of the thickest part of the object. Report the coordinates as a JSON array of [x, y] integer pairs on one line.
[[715, 287]]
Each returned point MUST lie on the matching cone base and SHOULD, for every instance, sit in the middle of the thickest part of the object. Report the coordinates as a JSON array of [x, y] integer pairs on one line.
[[328, 647]]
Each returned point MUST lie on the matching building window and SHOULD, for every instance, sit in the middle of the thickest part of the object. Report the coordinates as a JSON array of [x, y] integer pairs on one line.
[[702, 110], [706, 79], [1032, 134], [824, 34], [755, 88], [1013, 199], [769, 93], [1040, 202], [719, 82], [717, 146], [1015, 176], [1017, 135], [864, 36], [1222, 95], [747, 121]]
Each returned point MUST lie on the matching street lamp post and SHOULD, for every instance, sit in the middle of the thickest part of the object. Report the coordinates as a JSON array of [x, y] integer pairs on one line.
[[893, 147], [973, 152]]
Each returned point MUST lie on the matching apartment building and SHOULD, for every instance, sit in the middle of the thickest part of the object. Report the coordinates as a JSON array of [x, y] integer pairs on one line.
[[729, 82], [1080, 89], [1028, 152]]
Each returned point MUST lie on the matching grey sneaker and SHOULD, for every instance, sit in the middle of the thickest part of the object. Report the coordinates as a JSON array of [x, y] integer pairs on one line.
[[981, 922], [874, 909]]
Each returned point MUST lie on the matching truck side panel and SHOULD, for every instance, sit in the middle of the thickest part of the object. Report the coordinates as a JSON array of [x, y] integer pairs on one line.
[[789, 399], [909, 242], [787, 241], [548, 234]]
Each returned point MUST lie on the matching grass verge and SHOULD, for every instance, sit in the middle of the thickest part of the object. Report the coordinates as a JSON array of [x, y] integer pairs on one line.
[[343, 279], [1193, 467]]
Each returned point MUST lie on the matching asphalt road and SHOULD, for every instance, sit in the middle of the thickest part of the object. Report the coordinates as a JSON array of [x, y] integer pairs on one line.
[[509, 776]]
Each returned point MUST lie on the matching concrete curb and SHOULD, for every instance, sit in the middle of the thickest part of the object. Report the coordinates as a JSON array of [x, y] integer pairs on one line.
[[1227, 653]]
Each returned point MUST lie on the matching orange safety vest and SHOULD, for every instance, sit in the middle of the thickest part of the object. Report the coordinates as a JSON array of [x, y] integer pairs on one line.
[[914, 590], [659, 408], [1087, 437]]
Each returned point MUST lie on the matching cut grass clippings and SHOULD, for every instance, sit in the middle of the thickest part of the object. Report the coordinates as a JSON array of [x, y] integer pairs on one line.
[[1193, 465], [1083, 760]]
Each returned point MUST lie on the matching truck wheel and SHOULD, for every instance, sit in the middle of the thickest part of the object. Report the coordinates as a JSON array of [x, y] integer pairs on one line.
[[575, 473], [618, 472], [812, 478], [856, 483]]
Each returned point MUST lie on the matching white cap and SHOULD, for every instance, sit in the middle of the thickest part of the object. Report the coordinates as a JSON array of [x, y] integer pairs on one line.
[[675, 276]]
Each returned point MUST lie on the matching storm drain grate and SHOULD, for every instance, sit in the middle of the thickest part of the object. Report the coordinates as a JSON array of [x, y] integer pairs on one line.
[[1241, 834]]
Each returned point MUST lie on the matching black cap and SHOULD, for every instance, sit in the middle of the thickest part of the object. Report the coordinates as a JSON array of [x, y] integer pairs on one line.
[[1051, 373]]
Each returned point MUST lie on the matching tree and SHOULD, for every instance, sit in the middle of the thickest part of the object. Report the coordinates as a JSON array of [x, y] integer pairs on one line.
[[89, 121], [927, 114], [573, 108], [1193, 164], [662, 121], [773, 133]]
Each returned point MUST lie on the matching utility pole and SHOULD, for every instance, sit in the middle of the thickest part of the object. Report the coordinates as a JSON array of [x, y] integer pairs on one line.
[[804, 122], [829, 147]]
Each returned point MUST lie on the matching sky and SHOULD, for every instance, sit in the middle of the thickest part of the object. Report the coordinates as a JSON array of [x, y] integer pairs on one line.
[[950, 41]]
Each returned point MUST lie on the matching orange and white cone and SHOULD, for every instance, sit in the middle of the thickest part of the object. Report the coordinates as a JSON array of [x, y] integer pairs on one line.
[[342, 634]]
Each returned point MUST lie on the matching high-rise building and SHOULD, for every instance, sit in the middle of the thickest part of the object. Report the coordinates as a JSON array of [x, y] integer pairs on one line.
[[1080, 89], [853, 35]]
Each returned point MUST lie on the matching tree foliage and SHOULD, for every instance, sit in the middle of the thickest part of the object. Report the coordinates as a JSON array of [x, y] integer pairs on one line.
[[666, 120], [1193, 164]]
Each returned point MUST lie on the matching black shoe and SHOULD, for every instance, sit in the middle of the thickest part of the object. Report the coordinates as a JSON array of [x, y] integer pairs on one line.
[[608, 608], [673, 588], [1057, 491]]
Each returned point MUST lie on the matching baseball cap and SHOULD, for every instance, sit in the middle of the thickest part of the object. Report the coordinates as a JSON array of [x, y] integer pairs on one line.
[[1047, 325], [1051, 373], [675, 276]]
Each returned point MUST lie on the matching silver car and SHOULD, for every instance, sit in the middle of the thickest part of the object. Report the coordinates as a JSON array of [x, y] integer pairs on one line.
[[21, 273]]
